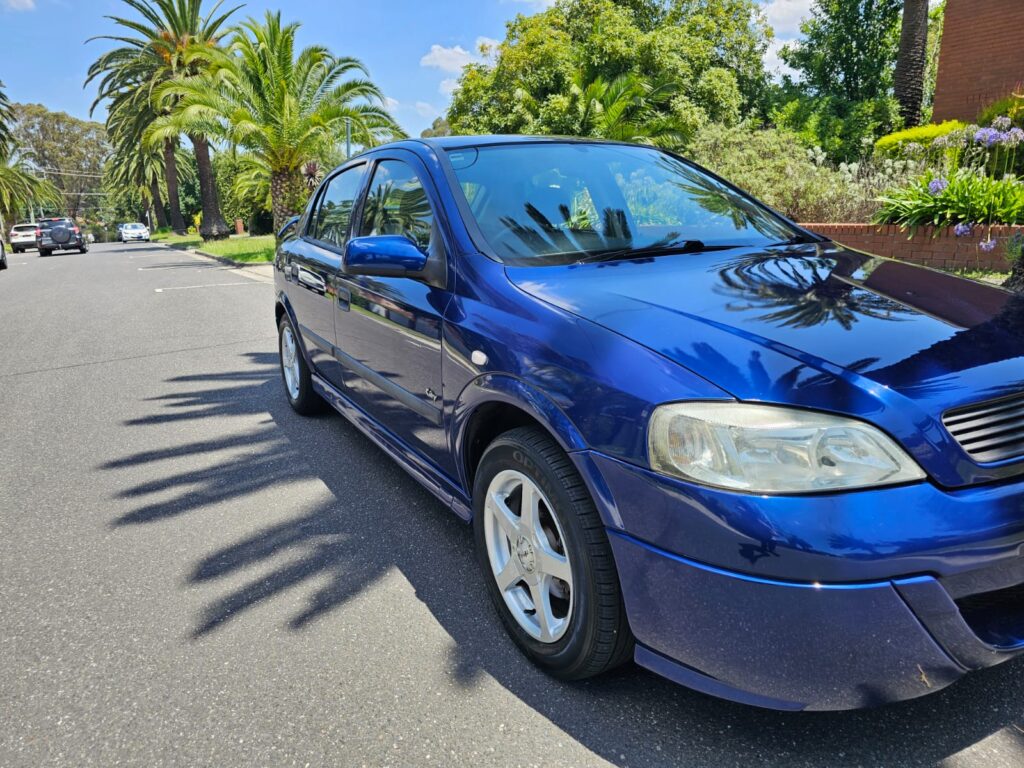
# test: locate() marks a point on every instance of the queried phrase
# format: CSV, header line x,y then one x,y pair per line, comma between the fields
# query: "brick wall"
x,y
934,248
981,58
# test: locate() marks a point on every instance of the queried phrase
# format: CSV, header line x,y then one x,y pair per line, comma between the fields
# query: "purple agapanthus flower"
x,y
1002,123
988,137
937,186
1013,137
963,229
987,245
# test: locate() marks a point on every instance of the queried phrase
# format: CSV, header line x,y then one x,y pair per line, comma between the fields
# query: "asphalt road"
x,y
191,574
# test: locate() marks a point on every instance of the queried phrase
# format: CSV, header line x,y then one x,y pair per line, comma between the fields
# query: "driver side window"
x,y
334,216
397,204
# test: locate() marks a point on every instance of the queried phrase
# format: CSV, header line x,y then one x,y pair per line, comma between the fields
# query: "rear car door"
x,y
389,330
312,263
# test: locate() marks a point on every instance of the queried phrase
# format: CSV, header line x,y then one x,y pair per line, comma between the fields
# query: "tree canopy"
x,y
670,66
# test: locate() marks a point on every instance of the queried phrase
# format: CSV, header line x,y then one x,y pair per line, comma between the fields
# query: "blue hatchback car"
x,y
686,431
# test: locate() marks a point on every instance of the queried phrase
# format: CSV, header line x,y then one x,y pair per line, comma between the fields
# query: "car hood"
x,y
818,326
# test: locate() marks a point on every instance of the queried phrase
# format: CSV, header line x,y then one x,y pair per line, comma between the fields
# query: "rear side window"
x,y
397,204
334,215
25,228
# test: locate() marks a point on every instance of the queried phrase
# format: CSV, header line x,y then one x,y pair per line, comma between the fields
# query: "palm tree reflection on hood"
x,y
800,291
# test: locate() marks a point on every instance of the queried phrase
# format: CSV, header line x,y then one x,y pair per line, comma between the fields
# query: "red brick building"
x,y
981,58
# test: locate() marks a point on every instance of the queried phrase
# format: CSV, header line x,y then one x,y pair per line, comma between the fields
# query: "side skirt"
x,y
423,471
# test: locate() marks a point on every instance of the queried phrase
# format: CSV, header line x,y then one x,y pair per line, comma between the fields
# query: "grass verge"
x,y
247,250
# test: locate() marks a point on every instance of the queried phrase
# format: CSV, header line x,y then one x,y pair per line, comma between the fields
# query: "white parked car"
x,y
136,232
23,237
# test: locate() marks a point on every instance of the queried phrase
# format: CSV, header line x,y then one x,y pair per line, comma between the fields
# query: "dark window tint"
x,y
397,204
335,213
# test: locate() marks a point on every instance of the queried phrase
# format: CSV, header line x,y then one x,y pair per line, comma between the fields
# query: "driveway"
x,y
191,574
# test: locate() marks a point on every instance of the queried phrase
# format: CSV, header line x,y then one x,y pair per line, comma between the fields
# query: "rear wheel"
x,y
298,384
546,558
45,251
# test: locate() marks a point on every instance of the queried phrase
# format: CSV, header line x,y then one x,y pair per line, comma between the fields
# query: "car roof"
x,y
445,143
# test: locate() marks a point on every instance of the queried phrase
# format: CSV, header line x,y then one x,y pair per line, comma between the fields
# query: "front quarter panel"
x,y
590,387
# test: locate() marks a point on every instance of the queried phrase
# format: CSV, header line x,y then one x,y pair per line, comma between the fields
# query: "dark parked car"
x,y
686,431
60,235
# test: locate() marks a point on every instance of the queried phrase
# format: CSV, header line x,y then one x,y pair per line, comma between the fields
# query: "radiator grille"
x,y
990,431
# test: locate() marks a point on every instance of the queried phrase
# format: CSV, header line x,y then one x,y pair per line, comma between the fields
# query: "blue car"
x,y
686,431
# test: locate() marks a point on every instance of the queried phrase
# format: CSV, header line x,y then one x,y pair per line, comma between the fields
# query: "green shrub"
x,y
776,167
1011,106
894,144
841,128
968,197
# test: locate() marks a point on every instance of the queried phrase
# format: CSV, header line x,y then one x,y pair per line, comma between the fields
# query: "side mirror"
x,y
384,256
288,227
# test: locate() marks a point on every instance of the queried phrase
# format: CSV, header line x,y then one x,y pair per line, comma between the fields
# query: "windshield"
x,y
134,226
558,203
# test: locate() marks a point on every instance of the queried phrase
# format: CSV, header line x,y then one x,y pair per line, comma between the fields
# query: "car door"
x,y
313,263
389,333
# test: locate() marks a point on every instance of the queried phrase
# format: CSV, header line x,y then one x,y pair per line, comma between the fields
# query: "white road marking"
x,y
211,285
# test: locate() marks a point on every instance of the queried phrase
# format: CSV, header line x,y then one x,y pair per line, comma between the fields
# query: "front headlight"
x,y
770,449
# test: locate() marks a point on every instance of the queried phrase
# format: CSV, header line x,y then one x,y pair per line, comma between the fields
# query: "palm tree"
x,y
155,51
628,108
912,60
283,109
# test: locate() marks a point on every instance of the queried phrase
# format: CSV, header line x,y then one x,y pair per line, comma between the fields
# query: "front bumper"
x,y
813,602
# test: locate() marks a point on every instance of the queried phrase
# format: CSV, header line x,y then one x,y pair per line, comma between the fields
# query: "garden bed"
x,y
939,248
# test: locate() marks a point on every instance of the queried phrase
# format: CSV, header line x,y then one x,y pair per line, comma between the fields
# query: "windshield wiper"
x,y
658,249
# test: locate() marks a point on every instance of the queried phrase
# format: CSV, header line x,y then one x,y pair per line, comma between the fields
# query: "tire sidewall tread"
x,y
598,637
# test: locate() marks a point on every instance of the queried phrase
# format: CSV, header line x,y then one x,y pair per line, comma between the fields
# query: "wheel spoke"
x,y
509,575
553,564
541,595
529,512
506,518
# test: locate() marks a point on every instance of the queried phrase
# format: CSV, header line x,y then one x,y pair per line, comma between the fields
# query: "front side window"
x,y
550,203
397,204
334,216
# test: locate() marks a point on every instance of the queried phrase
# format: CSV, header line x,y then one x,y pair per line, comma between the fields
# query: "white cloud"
x,y
20,5
391,105
447,59
785,16
448,86
423,109
773,63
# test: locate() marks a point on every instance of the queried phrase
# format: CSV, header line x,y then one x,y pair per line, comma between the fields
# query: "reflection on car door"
x,y
389,337
312,267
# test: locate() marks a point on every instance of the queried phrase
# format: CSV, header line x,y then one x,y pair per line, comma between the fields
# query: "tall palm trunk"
x,y
158,204
213,227
912,60
286,195
171,174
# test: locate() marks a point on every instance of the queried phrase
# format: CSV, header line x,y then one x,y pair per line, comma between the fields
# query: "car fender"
x,y
282,300
491,388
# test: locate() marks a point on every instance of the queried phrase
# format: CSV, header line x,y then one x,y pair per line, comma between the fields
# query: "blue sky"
x,y
412,48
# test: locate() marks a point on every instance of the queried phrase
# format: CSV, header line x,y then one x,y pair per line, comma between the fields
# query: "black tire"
x,y
598,637
307,402
45,251
84,249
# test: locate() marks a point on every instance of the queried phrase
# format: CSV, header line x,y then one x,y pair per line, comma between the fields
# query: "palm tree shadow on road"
x,y
339,548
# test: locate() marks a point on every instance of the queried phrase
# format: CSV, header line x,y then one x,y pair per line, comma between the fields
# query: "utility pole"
x,y
348,137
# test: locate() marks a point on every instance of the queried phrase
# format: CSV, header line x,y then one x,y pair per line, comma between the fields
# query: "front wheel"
x,y
546,558
298,384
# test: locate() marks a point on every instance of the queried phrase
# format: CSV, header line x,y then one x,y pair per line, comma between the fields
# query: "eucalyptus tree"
x,y
154,50
282,106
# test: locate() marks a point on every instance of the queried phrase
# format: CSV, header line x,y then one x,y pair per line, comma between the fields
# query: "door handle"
x,y
312,280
